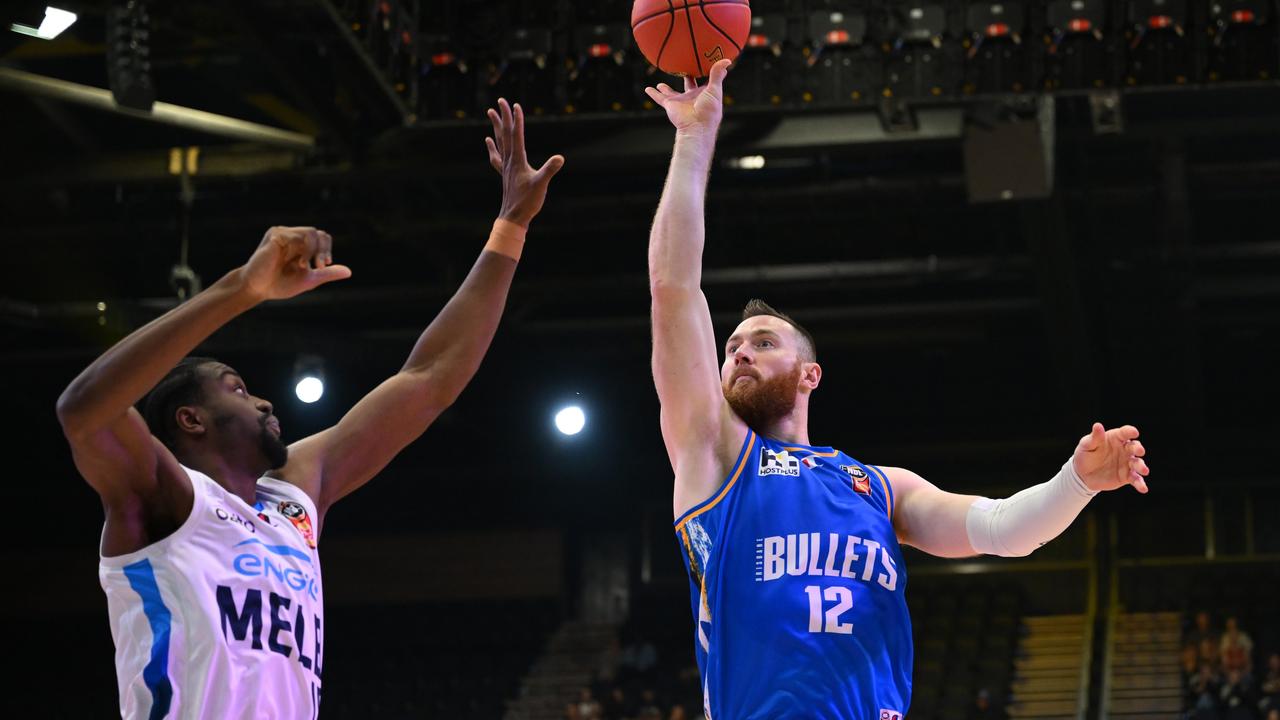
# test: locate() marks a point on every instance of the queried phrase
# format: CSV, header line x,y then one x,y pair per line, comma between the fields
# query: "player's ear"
x,y
190,420
810,375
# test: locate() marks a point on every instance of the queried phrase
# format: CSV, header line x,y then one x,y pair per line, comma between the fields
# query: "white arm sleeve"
x,y
1017,525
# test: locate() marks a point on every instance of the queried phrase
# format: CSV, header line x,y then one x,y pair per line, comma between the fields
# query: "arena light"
x,y
309,372
747,162
55,21
570,420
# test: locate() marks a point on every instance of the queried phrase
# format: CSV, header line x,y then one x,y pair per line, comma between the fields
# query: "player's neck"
x,y
237,479
790,428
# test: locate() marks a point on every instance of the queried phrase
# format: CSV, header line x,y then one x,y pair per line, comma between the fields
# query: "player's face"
x,y
760,349
242,420
762,370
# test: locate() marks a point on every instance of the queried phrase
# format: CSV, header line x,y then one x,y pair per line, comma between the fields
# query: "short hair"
x,y
808,348
183,385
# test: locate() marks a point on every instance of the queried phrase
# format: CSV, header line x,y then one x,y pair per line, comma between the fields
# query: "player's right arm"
x,y
701,433
136,476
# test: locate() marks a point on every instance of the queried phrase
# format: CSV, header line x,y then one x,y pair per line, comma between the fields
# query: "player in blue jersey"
x,y
794,550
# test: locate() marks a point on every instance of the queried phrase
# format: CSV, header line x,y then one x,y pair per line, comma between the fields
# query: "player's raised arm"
x,y
950,525
334,462
697,426
111,444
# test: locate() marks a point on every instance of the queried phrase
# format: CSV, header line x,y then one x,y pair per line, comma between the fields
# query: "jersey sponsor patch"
x,y
778,463
296,514
861,483
890,715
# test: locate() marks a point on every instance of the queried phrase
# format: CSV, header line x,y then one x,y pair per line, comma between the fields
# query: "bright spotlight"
x,y
309,389
746,162
55,21
571,420
308,371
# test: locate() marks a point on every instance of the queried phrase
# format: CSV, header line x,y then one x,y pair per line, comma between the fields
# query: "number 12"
x,y
843,599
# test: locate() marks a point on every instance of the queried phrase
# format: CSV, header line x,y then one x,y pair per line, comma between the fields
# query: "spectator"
x,y
677,713
1201,629
1236,649
1189,659
1273,714
1271,686
1203,692
982,708
1209,654
648,706
588,707
1236,697
615,706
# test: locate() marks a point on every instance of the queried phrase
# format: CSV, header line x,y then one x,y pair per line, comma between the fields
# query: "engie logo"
x,y
262,564
778,463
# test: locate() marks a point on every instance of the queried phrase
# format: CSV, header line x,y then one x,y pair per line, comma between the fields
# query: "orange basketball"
x,y
687,37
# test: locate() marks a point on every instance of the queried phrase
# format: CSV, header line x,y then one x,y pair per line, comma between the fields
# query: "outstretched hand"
x,y
697,110
523,188
290,261
1110,459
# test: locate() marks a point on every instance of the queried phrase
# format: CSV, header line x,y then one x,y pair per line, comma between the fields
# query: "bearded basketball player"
x,y
209,551
793,549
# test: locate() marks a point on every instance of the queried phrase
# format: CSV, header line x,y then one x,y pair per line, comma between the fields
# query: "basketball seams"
x,y
693,38
671,26
718,29
650,16
701,33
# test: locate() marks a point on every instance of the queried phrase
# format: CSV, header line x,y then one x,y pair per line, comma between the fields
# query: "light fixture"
x,y
55,21
746,162
309,375
570,420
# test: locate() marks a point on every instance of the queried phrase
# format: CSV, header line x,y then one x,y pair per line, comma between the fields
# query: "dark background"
x,y
973,343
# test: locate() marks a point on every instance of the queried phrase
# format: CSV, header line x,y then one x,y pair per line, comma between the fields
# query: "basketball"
x,y
687,37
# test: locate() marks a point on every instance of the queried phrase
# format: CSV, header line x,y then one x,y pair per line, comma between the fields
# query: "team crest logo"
x,y
861,483
296,514
778,463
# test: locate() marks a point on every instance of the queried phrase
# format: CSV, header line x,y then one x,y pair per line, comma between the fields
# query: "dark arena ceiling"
x,y
968,340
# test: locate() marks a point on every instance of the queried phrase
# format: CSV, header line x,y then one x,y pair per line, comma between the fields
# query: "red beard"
x,y
763,402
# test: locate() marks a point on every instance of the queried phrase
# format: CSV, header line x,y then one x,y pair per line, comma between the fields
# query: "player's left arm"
x,y
331,464
951,525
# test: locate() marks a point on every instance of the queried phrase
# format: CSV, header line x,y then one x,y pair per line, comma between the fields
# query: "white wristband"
x,y
1017,525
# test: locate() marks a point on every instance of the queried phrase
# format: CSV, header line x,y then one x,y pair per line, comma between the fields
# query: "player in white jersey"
x,y
208,554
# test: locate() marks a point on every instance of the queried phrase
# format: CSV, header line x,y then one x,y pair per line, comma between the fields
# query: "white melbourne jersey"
x,y
223,618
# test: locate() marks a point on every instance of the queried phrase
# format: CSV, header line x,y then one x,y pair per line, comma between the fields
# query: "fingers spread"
x,y
517,136
718,73
550,168
495,157
497,128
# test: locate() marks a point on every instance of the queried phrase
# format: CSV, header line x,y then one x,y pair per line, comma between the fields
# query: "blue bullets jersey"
x,y
798,588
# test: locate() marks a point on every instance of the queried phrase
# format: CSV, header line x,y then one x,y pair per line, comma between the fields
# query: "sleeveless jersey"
x,y
797,586
223,618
